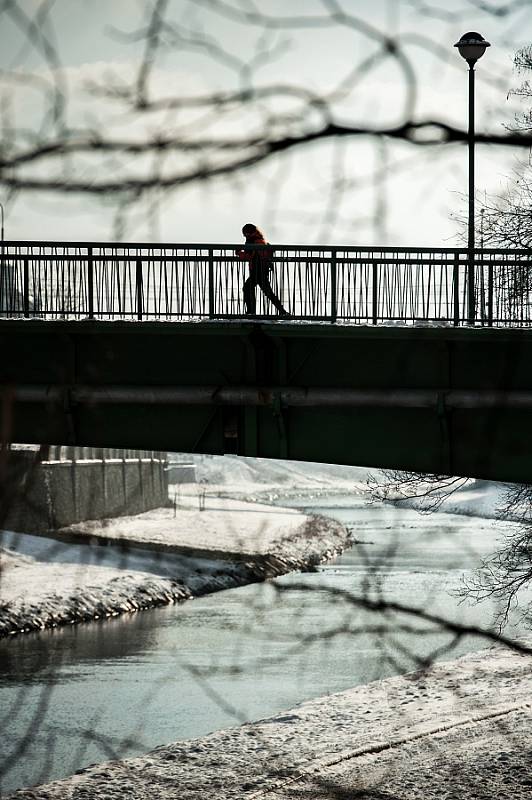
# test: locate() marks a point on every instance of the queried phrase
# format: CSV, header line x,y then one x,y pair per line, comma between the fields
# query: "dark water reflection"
x,y
108,689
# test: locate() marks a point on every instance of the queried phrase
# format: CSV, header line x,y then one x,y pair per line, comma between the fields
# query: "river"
x,y
74,696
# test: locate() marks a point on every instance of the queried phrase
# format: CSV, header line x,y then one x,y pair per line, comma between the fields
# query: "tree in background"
x,y
504,222
509,570
503,575
508,218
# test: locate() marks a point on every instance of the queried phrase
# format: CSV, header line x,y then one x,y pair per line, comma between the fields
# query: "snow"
x,y
167,555
225,527
429,734
271,478
475,499
153,559
267,480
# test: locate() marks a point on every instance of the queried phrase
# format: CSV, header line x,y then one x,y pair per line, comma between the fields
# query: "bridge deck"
x,y
443,399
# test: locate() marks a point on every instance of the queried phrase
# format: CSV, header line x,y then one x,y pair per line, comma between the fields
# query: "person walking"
x,y
260,265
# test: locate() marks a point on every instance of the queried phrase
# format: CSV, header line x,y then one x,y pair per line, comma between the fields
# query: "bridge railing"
x,y
187,281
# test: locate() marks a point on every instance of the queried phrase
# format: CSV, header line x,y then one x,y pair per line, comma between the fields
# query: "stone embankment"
x,y
154,559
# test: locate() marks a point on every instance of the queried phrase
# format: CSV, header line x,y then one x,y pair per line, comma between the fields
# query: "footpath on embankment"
x,y
103,568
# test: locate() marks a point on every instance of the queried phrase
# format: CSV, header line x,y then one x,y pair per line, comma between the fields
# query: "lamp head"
x,y
472,46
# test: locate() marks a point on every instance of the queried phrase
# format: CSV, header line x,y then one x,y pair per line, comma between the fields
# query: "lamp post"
x,y
2,231
471,47
2,270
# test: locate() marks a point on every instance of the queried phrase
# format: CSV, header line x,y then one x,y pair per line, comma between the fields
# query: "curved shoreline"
x,y
319,539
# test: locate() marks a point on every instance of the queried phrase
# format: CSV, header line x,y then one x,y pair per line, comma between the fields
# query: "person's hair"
x,y
249,229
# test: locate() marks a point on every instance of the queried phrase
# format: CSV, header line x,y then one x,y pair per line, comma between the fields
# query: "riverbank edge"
x,y
382,718
454,504
317,540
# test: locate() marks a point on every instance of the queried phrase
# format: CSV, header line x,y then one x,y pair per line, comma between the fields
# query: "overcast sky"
x,y
323,193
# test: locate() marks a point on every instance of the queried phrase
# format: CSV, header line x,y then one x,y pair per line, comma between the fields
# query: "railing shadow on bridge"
x,y
172,282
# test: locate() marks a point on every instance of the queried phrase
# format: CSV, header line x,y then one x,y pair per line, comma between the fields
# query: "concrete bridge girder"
x,y
443,400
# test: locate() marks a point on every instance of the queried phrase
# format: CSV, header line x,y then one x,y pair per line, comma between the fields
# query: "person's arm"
x,y
244,253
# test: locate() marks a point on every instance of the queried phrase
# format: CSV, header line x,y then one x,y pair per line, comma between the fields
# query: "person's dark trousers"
x,y
259,276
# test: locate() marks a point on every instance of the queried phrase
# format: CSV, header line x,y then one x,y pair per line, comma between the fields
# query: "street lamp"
x,y
471,47
2,270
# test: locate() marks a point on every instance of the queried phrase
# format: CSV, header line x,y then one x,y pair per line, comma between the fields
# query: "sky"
x,y
325,192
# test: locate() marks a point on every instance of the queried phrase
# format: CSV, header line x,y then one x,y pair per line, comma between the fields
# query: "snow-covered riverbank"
x,y
103,568
154,559
168,555
461,729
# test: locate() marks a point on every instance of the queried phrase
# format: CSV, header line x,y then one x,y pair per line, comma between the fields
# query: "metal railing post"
x,y
90,282
139,287
490,293
334,301
26,288
374,292
471,306
456,289
211,282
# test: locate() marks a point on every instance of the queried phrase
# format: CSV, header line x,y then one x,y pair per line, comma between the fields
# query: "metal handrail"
x,y
238,245
345,283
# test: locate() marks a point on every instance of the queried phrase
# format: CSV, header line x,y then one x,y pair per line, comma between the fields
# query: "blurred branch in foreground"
x,y
127,135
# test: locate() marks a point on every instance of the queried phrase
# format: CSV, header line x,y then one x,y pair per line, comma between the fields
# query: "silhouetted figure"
x,y
260,265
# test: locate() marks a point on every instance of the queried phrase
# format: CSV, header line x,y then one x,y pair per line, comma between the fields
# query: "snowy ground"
x,y
155,558
167,555
226,528
462,729
266,480
475,499
269,479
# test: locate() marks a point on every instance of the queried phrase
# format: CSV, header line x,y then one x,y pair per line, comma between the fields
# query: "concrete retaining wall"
x,y
51,495
179,472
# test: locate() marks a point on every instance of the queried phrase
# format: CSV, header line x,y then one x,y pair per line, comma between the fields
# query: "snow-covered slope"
x,y
255,475
263,478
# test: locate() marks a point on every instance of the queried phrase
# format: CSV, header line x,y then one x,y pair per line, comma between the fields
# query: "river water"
x,y
75,696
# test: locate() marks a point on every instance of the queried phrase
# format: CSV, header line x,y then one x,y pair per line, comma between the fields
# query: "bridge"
x,y
386,360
